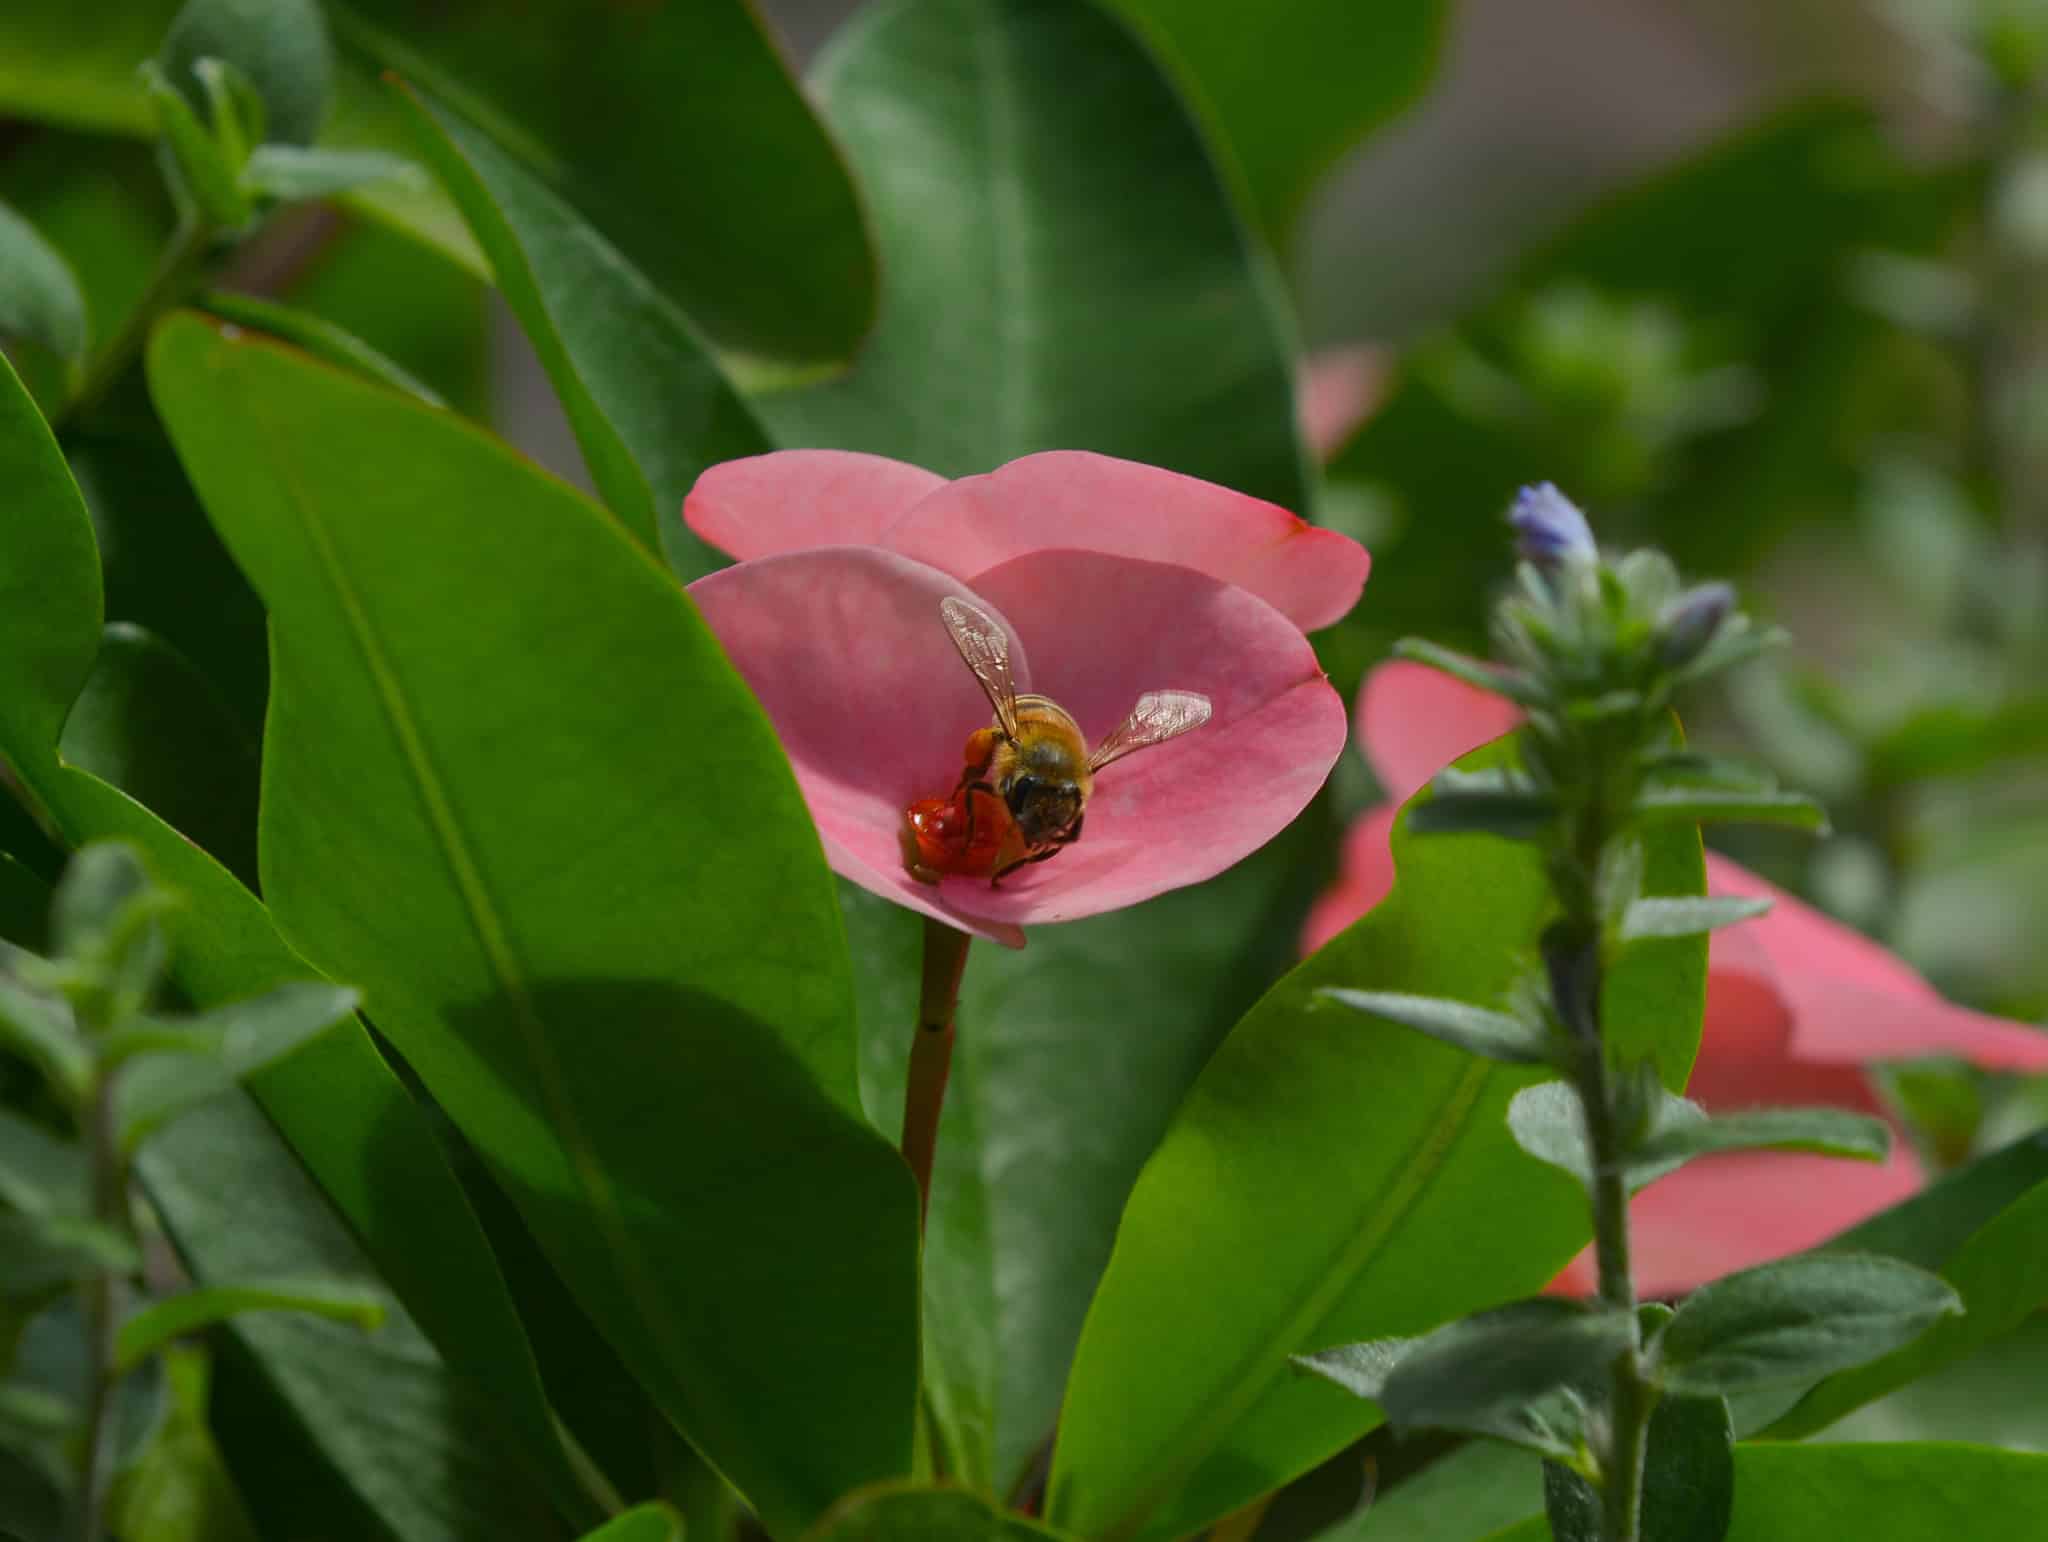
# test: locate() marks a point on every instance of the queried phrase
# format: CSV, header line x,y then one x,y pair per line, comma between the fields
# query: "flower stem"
x,y
1572,953
178,274
104,1303
931,1052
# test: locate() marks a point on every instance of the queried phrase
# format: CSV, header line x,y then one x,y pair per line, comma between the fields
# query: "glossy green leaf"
x,y
39,298
628,115
1797,1319
281,46
1686,917
642,1523
148,722
901,1513
593,999
150,1329
39,1173
1420,1207
1688,1479
649,406
1291,95
1985,1227
319,337
1476,1030
1061,265
336,1099
1069,1065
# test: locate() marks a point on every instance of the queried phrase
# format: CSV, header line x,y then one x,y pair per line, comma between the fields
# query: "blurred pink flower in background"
x,y
1338,390
1110,578
1797,1005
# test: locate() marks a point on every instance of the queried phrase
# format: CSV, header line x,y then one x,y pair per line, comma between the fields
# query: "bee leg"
x,y
1046,855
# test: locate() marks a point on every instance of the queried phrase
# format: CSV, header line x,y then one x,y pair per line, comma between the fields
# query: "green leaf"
x,y
41,1252
71,66
1957,739
39,298
1688,805
280,45
649,406
1420,1207
1084,208
158,1324
178,1489
149,723
202,1057
1688,1479
1508,1373
27,1413
628,114
105,889
1290,102
1685,917
39,1174
290,174
1985,1227
1469,1492
1496,678
202,175
902,1513
1476,1030
336,1099
42,1031
1829,1131
1798,1319
319,337
1492,802
594,1002
642,1523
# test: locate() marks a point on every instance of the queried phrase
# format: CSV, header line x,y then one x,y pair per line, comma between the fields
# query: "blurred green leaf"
x,y
1686,917
76,65
649,406
1700,805
335,1100
1985,1227
39,298
1688,1479
1288,97
281,46
1476,1030
162,1321
1471,1492
179,1490
616,1067
290,174
642,1523
42,1252
1957,739
1796,1320
203,177
901,1513
627,113
39,1174
40,1029
1421,1206
1096,290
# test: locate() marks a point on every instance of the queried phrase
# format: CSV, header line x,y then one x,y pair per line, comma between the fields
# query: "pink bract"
x,y
1796,1005
844,645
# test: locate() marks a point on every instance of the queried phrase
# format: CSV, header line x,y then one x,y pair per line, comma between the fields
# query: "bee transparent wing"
x,y
1158,716
986,649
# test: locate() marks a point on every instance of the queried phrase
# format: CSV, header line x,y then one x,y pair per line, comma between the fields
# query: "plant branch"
x,y
178,274
931,1052
105,1301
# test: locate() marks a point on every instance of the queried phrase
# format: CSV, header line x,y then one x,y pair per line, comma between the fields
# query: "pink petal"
x,y
1339,387
1413,721
1103,629
1365,877
1730,1212
794,499
844,647
1854,1002
1070,498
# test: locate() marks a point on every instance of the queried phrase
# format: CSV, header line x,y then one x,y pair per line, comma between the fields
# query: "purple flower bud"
x,y
1551,528
1689,623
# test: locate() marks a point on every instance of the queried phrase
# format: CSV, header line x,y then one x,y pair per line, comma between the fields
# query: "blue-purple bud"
x,y
1690,621
1551,529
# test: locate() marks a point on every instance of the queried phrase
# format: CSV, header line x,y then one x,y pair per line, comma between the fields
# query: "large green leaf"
x,y
649,406
1289,91
629,112
1072,1056
1874,1493
1332,1178
335,1099
514,790
1062,268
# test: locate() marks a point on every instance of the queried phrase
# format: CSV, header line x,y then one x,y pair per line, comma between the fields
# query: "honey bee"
x,y
1023,790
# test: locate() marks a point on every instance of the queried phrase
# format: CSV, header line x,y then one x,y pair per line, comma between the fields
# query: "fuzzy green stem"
x,y
104,1303
178,274
931,1052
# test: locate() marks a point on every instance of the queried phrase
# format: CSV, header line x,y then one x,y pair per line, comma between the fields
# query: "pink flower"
x,y
1797,1005
1110,579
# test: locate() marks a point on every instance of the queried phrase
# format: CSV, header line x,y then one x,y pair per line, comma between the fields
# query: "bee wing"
x,y
986,649
1158,716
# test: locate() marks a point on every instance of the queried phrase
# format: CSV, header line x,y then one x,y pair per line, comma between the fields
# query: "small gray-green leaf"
x,y
39,297
1361,1369
1511,683
280,46
42,1030
157,1324
1829,1131
1700,805
98,886
30,1413
1480,1372
203,174
1476,1030
39,1252
39,1174
1797,1319
1687,917
1546,1122
289,174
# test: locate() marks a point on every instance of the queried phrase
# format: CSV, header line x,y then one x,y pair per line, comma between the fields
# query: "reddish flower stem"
x,y
931,1052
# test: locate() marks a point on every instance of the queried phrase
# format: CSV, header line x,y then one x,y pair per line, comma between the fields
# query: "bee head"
x,y
1044,807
